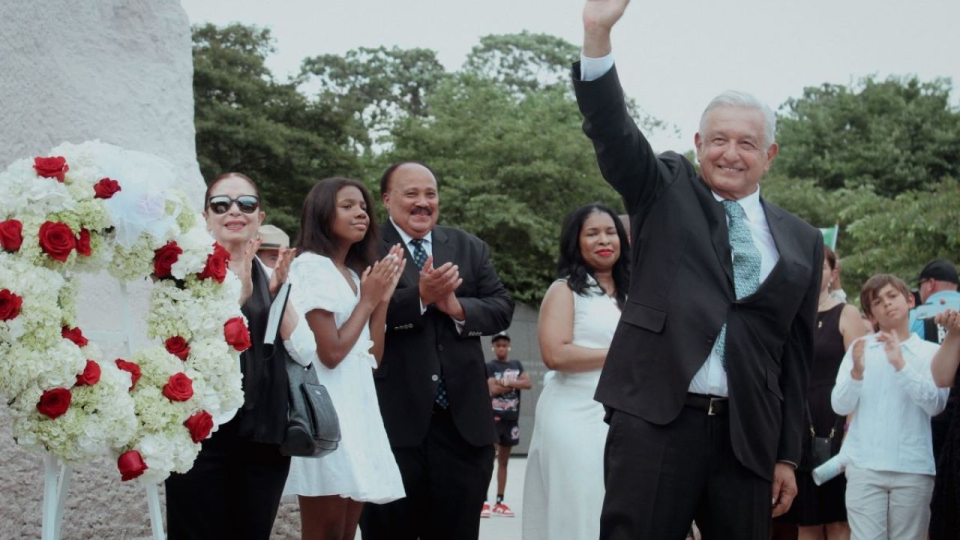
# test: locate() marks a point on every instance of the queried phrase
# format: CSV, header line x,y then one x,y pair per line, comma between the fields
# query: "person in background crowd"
x,y
705,381
563,489
432,382
820,511
937,283
272,239
505,378
234,487
343,292
945,507
885,382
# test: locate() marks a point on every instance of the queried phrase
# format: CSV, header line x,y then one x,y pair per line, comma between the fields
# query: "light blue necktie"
x,y
420,257
746,264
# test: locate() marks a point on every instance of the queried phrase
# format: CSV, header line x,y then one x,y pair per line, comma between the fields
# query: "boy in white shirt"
x,y
887,383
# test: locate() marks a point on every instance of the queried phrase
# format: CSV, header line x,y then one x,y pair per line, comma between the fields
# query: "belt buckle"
x,y
710,411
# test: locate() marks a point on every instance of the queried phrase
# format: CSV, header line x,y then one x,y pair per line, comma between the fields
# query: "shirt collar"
x,y
427,239
751,205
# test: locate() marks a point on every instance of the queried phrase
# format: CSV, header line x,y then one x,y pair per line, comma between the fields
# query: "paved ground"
x,y
99,506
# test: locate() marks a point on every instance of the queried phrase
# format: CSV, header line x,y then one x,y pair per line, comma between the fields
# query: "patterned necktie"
x,y
746,264
419,254
420,257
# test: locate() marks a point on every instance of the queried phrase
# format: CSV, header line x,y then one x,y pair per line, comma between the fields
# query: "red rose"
x,y
199,426
90,375
51,167
57,240
83,243
178,347
106,188
236,333
134,370
54,402
164,258
9,305
74,335
131,465
11,234
179,387
216,267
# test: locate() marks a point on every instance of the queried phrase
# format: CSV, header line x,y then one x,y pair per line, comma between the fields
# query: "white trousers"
x,y
884,505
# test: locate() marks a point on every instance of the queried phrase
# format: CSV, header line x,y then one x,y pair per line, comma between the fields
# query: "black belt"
x,y
712,404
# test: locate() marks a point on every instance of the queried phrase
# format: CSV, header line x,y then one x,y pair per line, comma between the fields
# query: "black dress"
x,y
819,505
234,488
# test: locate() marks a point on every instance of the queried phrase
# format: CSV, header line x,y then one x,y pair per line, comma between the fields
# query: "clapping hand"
x,y
379,278
858,365
397,253
437,284
281,269
891,345
244,268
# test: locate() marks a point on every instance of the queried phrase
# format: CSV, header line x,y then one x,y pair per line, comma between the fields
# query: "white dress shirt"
x,y
890,430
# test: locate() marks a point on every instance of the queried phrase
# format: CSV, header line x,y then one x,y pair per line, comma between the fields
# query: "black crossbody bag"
x,y
819,450
313,428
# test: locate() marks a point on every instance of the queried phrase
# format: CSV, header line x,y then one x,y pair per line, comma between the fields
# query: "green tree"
x,y
524,62
375,86
247,121
892,135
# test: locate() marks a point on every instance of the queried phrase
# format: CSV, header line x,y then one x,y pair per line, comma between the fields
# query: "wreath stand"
x,y
56,486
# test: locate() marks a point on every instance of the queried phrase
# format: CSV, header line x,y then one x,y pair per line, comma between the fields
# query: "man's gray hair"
x,y
734,98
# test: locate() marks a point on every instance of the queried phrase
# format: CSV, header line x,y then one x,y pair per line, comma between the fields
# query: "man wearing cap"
x,y
938,285
505,378
271,240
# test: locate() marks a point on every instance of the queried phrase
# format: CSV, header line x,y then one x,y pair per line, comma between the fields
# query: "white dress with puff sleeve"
x,y
363,467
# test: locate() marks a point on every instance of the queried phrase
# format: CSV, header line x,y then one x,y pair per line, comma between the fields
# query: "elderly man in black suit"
x,y
705,380
432,383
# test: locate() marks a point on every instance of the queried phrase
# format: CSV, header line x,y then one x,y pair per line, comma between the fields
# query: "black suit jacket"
x,y
682,292
419,348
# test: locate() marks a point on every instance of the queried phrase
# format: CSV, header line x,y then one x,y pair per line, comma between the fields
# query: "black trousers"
x,y
232,491
446,481
661,478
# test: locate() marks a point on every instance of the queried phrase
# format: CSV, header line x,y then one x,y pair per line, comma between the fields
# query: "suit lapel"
x,y
719,233
782,239
443,250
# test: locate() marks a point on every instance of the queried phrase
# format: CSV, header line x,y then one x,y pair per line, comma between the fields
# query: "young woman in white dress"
x,y
563,489
343,292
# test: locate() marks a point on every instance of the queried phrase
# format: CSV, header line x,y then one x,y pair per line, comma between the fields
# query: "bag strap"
x,y
277,309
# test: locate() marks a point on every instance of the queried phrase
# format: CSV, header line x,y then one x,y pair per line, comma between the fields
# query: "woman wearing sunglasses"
x,y
234,487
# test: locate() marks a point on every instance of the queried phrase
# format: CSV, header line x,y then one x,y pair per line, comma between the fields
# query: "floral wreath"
x,y
95,207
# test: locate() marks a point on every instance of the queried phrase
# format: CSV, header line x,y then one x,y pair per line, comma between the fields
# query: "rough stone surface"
x,y
116,70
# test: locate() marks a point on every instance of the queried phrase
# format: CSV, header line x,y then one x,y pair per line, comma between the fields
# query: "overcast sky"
x,y
673,56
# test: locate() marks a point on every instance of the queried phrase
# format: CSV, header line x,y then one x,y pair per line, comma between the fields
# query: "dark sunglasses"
x,y
221,204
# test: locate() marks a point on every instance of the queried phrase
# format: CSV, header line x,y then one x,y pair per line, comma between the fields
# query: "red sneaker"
x,y
485,512
502,510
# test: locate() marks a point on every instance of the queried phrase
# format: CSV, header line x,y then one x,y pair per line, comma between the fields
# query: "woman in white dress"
x,y
344,293
563,490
